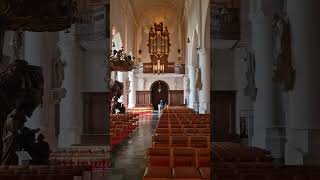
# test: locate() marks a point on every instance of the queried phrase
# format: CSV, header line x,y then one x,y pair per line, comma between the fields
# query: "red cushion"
x,y
184,161
163,161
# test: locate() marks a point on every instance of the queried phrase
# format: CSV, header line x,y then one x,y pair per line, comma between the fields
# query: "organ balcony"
x,y
175,68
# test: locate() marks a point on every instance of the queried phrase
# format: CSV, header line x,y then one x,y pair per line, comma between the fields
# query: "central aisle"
x,y
128,161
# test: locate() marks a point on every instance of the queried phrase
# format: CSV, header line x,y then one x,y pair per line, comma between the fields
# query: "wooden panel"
x,y
143,98
176,97
148,68
223,106
95,113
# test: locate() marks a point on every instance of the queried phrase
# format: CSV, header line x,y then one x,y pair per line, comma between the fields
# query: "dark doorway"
x,y
223,110
159,90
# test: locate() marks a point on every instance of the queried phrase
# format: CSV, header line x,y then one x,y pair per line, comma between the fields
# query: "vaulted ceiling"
x,y
158,9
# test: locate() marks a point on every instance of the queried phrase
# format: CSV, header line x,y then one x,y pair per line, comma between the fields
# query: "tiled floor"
x,y
128,161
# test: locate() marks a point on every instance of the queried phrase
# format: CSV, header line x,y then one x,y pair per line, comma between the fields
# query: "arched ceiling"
x,y
157,9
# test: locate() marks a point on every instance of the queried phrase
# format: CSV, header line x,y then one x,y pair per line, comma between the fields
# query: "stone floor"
x,y
128,160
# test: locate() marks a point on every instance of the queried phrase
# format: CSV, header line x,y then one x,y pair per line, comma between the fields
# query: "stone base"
x,y
204,108
196,107
275,142
303,147
68,137
95,139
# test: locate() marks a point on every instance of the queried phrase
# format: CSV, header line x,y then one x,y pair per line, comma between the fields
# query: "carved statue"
x,y
14,125
198,78
187,85
18,44
143,84
250,89
58,70
18,83
128,82
57,93
283,71
116,93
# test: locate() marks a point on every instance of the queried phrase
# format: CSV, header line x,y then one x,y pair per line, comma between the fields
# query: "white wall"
x,y
223,65
175,82
94,72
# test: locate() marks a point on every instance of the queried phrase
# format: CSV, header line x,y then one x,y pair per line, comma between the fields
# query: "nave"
x,y
181,146
128,159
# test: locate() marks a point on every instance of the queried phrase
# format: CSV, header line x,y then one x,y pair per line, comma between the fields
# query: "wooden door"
x,y
223,106
143,98
176,98
95,111
157,95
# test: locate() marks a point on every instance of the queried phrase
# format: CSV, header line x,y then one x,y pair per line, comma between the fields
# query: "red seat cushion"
x,y
158,172
186,172
163,161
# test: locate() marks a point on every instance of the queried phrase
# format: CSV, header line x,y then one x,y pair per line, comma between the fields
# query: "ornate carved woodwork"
x,y
225,20
168,68
20,83
37,15
117,89
120,61
159,46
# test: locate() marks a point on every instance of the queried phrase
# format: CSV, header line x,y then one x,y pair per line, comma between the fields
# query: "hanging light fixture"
x,y
159,87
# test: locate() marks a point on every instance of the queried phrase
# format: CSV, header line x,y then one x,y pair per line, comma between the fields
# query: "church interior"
x,y
159,90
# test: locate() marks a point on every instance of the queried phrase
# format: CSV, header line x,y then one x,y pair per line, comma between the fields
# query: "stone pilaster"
x,y
303,131
204,94
132,90
71,105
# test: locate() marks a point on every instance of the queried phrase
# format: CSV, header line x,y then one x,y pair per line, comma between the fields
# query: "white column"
x,y
123,77
186,85
262,45
266,117
33,54
204,94
132,90
192,94
39,51
71,108
304,119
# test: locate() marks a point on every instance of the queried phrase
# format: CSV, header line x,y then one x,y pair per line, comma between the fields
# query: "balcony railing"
x,y
147,68
225,23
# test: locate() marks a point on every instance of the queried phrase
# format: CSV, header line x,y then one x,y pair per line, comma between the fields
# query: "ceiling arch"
x,y
157,7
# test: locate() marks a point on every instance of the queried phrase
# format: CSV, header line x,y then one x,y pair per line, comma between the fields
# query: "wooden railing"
x,y
169,68
225,23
